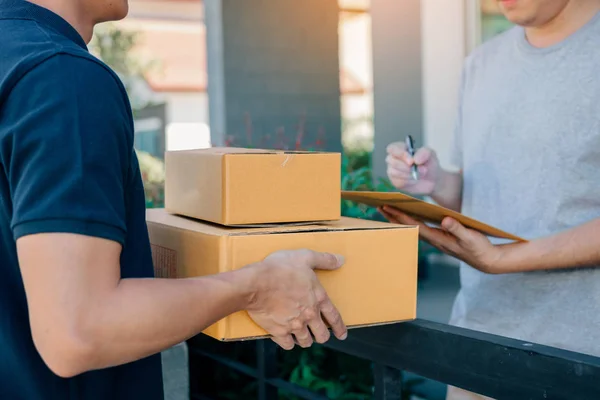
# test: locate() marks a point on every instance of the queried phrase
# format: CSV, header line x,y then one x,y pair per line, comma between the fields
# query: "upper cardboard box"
x,y
376,285
423,210
233,186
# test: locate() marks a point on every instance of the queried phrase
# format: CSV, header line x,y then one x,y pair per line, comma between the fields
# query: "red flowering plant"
x,y
279,140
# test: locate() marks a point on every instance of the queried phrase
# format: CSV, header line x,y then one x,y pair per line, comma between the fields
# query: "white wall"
x,y
356,57
445,40
187,121
355,43
187,107
358,107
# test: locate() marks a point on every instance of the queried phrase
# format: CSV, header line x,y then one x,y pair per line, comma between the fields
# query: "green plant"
x,y
114,46
357,175
153,177
335,375
354,159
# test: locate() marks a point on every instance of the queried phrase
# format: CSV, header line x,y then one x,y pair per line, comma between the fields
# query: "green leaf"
x,y
295,376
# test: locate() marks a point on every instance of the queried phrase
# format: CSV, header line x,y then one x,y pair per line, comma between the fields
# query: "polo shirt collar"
x,y
22,9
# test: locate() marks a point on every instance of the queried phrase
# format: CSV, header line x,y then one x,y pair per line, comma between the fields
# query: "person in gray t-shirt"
x,y
528,146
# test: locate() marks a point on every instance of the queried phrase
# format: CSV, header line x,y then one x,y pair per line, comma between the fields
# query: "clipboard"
x,y
424,211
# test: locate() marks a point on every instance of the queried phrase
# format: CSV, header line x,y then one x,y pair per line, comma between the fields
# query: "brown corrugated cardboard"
x,y
377,284
423,210
232,186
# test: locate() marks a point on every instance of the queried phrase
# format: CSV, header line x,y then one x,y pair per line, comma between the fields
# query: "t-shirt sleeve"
x,y
457,142
67,150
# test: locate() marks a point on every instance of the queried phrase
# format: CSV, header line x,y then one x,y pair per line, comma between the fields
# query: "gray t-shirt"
x,y
528,141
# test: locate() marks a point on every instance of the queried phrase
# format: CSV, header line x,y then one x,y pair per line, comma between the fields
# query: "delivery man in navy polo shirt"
x,y
80,315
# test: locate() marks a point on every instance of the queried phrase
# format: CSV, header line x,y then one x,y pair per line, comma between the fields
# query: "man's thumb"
x,y
454,227
326,261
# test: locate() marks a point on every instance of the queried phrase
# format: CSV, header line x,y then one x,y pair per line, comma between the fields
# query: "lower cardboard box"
x,y
377,284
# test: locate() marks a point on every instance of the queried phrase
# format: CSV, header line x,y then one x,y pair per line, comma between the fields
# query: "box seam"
x,y
224,190
225,265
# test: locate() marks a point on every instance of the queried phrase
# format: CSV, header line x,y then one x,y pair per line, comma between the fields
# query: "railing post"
x,y
266,353
388,383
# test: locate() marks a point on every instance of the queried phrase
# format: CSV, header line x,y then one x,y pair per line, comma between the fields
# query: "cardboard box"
x,y
424,211
377,284
231,186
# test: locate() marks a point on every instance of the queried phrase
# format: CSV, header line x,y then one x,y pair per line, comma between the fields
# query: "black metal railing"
x,y
494,366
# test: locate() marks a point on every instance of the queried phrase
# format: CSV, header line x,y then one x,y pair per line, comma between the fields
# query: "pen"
x,y
411,150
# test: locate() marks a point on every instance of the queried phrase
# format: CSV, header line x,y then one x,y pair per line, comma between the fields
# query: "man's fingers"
x,y
400,164
398,174
396,149
401,217
400,156
334,319
445,239
303,337
397,214
434,236
327,261
422,155
388,216
285,342
319,330
394,164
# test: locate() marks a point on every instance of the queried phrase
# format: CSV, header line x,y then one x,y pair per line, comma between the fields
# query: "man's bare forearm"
x,y
448,191
141,317
575,248
83,316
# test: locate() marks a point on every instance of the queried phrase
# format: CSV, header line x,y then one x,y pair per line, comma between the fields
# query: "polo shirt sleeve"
x,y
70,148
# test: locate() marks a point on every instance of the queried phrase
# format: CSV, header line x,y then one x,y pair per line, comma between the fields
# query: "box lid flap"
x,y
162,217
239,150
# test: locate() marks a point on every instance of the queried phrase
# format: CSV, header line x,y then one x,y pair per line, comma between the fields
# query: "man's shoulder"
x,y
32,48
75,85
65,65
69,78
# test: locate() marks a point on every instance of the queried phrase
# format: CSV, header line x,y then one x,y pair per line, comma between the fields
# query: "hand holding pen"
x,y
411,151
412,170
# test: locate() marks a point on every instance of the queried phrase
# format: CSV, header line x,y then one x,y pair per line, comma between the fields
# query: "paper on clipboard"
x,y
423,210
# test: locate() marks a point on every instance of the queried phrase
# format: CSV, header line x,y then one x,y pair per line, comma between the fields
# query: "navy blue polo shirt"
x,y
67,164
